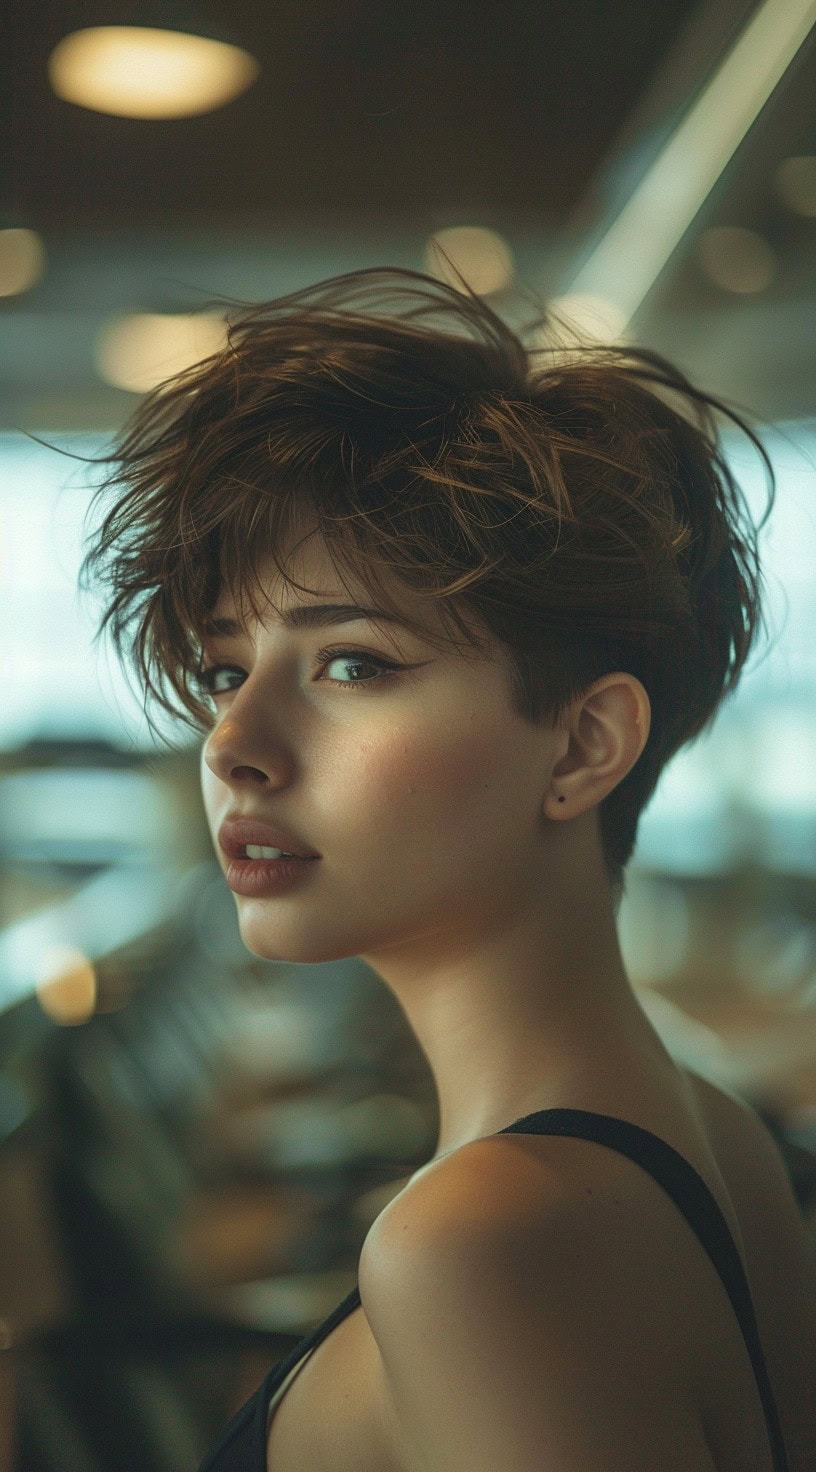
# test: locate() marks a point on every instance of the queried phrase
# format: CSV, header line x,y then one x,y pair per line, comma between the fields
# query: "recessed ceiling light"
x,y
22,260
140,351
736,259
483,257
147,72
795,184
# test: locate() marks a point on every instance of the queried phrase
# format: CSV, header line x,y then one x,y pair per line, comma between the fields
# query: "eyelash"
x,y
205,677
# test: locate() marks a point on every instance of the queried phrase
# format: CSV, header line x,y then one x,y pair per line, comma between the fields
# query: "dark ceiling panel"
x,y
372,126
498,111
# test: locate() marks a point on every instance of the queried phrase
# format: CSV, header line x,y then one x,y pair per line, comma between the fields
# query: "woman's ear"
x,y
608,727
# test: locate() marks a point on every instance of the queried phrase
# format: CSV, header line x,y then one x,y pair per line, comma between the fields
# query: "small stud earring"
x,y
562,799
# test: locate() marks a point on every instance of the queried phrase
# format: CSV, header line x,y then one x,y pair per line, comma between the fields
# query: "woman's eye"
x,y
207,681
353,659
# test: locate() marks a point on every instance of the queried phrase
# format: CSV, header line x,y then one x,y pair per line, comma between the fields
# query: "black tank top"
x,y
242,1448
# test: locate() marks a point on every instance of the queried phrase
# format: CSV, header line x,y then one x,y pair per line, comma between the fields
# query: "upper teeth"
x,y
255,851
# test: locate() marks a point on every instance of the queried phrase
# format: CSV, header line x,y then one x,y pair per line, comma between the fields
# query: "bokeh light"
x,y
736,259
142,72
66,985
22,260
795,184
141,350
483,257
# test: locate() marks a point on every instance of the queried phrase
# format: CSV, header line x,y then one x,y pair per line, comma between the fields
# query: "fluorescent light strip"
x,y
625,265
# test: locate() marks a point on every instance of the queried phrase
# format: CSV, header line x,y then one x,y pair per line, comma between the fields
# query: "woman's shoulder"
x,y
495,1259
519,1188
545,1196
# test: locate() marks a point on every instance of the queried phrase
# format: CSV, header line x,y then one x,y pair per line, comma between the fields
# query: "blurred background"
x,y
194,1142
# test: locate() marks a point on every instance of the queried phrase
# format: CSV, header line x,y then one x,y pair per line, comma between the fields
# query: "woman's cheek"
x,y
434,770
396,769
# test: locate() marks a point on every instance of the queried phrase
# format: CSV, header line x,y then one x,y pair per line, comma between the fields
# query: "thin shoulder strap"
x,y
279,1371
693,1198
242,1446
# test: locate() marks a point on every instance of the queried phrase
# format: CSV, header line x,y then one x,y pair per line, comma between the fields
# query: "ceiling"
x,y
373,125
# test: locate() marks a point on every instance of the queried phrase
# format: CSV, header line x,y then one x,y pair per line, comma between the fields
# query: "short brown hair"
x,y
588,522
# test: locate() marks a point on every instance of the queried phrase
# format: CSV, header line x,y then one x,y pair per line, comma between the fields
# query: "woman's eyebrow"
x,y
308,616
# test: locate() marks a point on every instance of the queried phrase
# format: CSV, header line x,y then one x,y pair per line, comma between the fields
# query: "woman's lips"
x,y
237,831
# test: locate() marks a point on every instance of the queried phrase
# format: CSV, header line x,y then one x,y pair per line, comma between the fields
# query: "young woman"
x,y
532,571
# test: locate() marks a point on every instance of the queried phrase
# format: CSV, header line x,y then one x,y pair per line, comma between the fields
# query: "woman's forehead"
x,y
320,572
307,574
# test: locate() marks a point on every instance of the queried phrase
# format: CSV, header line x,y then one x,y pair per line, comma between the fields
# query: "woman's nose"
x,y
238,750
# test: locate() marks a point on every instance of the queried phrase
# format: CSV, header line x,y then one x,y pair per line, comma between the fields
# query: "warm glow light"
x,y
141,72
795,183
592,316
483,257
736,259
66,985
140,351
22,261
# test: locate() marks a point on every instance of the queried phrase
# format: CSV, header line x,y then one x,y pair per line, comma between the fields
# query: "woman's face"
x,y
419,787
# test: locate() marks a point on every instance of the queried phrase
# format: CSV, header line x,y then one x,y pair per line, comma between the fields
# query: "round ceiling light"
x,y
736,259
795,183
144,349
482,256
145,72
22,260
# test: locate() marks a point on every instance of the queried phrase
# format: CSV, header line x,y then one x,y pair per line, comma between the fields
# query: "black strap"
x,y
692,1196
242,1447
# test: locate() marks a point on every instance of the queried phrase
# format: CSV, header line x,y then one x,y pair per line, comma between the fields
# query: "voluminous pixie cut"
x,y
574,500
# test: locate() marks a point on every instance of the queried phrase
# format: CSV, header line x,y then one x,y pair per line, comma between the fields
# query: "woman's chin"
x,y
268,943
